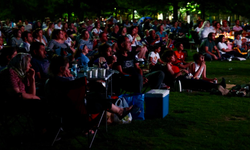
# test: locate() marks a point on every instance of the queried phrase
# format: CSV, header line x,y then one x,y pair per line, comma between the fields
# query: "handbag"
x,y
121,102
137,100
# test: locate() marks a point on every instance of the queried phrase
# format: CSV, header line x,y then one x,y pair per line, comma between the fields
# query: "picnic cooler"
x,y
156,103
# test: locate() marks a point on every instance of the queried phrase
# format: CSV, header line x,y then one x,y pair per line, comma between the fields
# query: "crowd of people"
x,y
36,52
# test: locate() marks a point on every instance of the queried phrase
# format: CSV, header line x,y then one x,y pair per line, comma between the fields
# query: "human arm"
x,y
210,53
204,77
139,69
119,68
223,47
155,40
218,52
170,70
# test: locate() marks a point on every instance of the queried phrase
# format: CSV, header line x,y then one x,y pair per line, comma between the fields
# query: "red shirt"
x,y
179,57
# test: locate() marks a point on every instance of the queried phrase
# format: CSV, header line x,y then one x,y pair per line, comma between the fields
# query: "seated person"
x,y
205,30
39,62
86,41
106,59
217,28
27,40
97,30
180,57
237,28
161,32
198,70
153,38
198,28
238,43
225,27
208,47
39,36
173,73
7,53
71,31
16,40
115,32
80,56
61,80
57,43
141,49
19,77
224,50
175,29
131,74
154,58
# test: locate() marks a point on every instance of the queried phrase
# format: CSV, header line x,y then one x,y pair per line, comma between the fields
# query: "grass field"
x,y
196,120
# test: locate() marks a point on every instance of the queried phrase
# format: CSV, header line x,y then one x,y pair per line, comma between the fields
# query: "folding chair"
x,y
74,103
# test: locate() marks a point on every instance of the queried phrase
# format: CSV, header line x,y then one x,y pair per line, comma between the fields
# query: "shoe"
x,y
222,90
125,112
223,83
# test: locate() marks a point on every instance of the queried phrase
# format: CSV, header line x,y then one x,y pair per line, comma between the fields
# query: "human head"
x,y
157,48
116,28
105,50
17,33
198,58
169,56
27,37
21,63
7,53
38,33
71,25
237,36
59,22
211,36
200,23
21,27
146,33
214,22
179,46
97,25
85,34
37,50
103,37
224,23
58,65
206,24
123,43
152,33
57,34
160,27
217,25
65,26
237,22
132,30
222,38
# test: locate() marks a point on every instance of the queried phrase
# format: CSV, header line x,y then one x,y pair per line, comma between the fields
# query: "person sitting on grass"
x,y
7,53
198,70
173,73
209,49
154,58
180,57
238,43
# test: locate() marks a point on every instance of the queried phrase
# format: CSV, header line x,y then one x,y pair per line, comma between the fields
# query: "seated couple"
x,y
197,69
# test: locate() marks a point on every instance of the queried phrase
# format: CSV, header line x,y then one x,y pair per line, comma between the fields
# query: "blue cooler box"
x,y
156,103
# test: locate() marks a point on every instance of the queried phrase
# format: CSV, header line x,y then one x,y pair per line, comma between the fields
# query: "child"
x,y
80,56
154,57
238,43
180,57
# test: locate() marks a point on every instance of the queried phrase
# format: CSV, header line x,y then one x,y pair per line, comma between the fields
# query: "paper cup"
x,y
95,73
90,74
102,72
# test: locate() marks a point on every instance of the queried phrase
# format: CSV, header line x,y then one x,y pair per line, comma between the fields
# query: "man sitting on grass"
x,y
209,49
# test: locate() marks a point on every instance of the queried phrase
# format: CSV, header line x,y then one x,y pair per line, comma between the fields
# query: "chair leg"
x,y
60,129
93,138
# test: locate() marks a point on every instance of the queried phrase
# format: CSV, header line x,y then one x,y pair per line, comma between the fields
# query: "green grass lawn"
x,y
195,121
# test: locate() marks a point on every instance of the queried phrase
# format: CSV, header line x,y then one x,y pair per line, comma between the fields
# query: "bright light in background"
x,y
220,21
135,11
188,19
160,16
228,18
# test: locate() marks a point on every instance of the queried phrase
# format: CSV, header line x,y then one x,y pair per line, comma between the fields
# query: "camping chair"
x,y
74,104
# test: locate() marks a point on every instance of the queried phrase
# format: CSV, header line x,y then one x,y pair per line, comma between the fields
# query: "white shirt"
x,y
131,39
204,32
28,27
221,46
96,31
57,27
197,29
68,41
197,68
154,56
238,42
